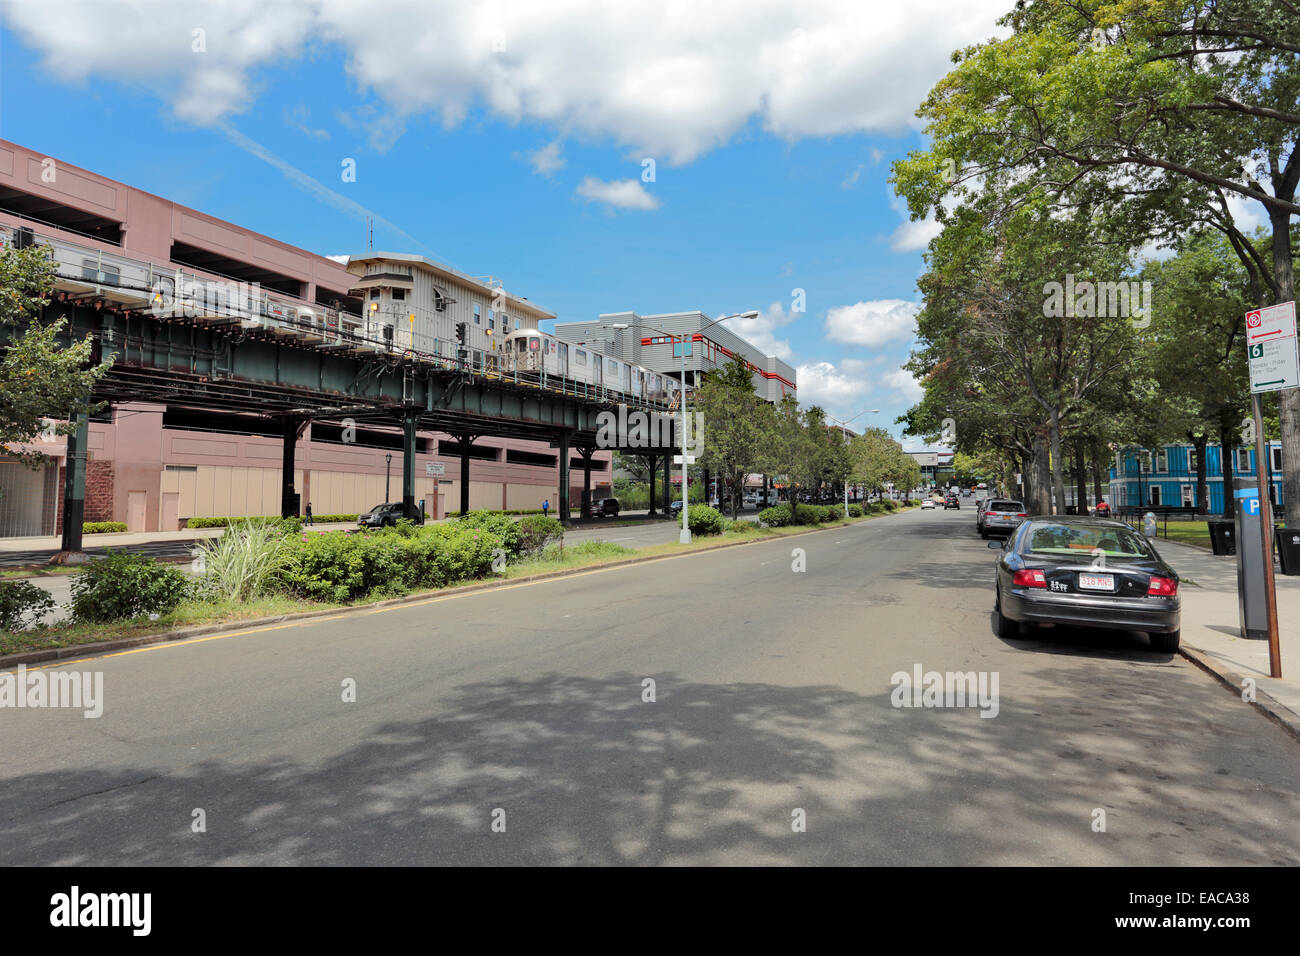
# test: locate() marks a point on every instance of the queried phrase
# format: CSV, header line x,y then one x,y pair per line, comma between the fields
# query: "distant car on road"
x,y
1088,572
605,507
951,501
1001,516
382,516
927,504
675,506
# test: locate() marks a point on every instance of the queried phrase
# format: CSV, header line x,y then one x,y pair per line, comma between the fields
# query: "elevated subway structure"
x,y
188,338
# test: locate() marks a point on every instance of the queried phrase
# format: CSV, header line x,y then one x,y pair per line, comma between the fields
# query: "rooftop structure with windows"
x,y
654,341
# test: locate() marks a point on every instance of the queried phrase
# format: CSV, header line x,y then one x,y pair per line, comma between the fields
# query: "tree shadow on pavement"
x,y
709,773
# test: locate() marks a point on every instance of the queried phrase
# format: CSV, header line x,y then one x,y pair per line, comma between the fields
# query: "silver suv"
x,y
1000,516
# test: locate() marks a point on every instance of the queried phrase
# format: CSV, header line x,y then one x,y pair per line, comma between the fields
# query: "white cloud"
x,y
762,331
673,79
297,119
821,383
851,179
619,193
872,323
547,160
905,387
914,235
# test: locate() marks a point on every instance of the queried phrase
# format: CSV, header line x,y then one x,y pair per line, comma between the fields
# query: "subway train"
x,y
532,351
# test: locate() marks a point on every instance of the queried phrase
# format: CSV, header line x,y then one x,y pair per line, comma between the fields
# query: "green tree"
x,y
734,429
39,376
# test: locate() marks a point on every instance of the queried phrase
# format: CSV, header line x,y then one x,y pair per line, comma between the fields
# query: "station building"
x,y
154,465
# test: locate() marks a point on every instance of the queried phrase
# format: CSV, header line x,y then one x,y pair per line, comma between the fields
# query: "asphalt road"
x,y
772,696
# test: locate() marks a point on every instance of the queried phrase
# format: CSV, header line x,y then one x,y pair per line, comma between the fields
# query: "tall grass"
x,y
238,565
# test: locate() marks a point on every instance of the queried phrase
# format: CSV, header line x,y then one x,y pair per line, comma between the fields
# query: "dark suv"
x,y
951,501
382,516
605,507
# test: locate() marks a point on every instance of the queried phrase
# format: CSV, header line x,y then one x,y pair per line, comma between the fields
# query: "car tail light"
x,y
1030,578
1022,515
1162,587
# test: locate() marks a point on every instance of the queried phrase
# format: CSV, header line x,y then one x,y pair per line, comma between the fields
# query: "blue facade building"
x,y
1168,475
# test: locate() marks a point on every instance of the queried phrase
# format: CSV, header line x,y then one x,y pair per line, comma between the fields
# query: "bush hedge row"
x,y
102,527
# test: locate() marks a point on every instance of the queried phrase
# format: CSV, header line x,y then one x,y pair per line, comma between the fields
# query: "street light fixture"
x,y
869,411
388,467
685,536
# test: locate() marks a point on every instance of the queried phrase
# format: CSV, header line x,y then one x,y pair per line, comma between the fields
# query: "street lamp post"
x,y
869,411
683,338
388,468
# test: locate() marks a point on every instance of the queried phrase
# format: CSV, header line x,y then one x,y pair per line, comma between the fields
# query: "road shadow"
x,y
588,773
1102,643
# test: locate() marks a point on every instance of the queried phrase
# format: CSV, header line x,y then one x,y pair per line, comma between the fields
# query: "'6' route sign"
x,y
1271,347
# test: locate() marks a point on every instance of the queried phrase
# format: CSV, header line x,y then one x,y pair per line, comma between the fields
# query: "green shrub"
x,y
289,525
102,527
855,511
538,532
22,604
342,567
740,526
497,523
124,585
705,520
777,516
241,564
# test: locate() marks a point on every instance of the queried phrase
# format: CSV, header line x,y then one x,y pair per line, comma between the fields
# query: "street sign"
x,y
1272,348
434,469
677,459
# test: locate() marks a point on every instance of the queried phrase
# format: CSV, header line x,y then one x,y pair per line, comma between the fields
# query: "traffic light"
x,y
460,332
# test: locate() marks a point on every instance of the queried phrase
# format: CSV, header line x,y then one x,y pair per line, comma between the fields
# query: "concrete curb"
x,y
165,637
1264,702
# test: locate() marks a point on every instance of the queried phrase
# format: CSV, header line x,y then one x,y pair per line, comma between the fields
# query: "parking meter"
x,y
1149,524
1251,597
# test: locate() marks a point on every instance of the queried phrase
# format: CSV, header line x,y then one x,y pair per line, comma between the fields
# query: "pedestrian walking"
x,y
546,507
307,515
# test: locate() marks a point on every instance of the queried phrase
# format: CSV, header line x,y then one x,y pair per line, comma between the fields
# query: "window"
x,y
580,356
505,321
517,323
399,295
1155,495
477,315
492,323
374,293
1275,458
1243,459
1192,462
677,348
440,302
1162,460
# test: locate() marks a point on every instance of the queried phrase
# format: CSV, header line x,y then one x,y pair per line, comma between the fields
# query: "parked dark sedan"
x,y
1086,572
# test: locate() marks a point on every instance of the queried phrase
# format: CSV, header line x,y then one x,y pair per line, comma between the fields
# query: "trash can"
x,y
1223,537
1288,549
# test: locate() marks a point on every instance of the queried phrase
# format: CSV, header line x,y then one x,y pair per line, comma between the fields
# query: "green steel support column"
x,y
563,504
74,495
668,483
651,461
586,480
465,442
409,421
293,429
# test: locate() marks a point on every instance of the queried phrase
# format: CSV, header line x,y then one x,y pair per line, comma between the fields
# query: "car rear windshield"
x,y
1016,506
1083,540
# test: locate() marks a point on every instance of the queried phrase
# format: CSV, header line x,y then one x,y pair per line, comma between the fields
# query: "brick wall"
x,y
99,493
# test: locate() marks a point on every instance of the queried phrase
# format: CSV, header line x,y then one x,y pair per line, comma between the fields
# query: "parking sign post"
x,y
1271,347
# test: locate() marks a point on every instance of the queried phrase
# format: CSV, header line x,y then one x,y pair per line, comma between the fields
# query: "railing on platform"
x,y
174,292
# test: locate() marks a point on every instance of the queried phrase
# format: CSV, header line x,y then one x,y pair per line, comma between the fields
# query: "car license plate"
x,y
1097,582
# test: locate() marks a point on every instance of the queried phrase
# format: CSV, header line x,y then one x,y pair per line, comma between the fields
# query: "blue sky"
x,y
504,142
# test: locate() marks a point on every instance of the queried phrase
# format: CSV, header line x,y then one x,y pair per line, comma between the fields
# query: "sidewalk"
x,y
124,539
1212,625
